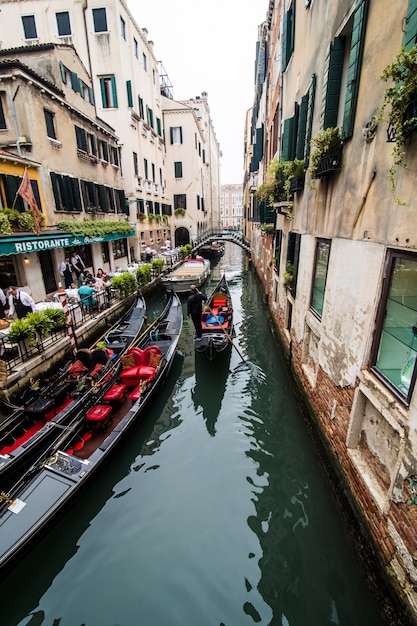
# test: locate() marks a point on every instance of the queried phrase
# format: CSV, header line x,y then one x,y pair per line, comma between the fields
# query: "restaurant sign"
x,y
26,245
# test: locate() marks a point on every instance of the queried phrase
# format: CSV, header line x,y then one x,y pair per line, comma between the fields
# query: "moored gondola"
x,y
56,479
217,322
31,428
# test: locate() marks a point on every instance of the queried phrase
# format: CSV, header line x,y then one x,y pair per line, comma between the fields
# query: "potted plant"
x,y
151,217
288,275
141,216
22,333
143,274
157,265
402,98
272,190
180,212
296,175
185,250
41,323
327,152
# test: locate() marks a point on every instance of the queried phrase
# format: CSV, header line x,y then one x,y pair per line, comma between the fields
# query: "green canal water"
x,y
216,511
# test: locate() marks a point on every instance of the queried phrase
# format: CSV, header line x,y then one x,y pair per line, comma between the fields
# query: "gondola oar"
x,y
227,334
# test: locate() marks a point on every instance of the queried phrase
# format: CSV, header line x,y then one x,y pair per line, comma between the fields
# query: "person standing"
x,y
77,264
195,309
20,302
65,271
148,254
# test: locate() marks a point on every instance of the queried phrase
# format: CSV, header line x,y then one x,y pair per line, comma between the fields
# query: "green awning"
x,y
32,243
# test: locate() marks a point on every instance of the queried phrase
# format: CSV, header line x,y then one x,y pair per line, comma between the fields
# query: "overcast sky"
x,y
209,46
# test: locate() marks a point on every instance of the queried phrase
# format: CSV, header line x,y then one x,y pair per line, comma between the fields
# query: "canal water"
x,y
215,512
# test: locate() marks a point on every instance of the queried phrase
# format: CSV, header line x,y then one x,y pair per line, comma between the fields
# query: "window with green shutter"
x,y
108,92
309,122
287,152
288,36
129,93
355,62
410,26
332,83
301,128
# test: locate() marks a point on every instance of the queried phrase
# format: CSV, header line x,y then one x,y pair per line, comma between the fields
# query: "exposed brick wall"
x,y
331,427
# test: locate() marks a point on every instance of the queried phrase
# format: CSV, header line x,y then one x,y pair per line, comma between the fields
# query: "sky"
x,y
209,46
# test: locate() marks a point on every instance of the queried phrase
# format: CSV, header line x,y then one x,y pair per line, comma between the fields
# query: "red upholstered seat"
x,y
98,412
142,356
115,393
135,394
134,375
99,418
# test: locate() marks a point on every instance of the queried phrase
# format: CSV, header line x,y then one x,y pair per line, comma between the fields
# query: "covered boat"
x,y
192,271
48,487
54,405
217,322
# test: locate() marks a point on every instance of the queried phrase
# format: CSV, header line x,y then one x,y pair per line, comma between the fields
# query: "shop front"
x,y
33,261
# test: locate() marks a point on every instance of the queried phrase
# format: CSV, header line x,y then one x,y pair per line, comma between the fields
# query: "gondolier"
x,y
195,309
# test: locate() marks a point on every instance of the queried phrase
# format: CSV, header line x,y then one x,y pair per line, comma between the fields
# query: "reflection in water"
x,y
210,385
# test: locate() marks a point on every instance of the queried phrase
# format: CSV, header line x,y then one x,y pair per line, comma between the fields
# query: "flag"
x,y
26,192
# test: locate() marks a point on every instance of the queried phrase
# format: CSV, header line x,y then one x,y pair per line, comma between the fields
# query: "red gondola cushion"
x,y
134,375
135,394
115,393
98,412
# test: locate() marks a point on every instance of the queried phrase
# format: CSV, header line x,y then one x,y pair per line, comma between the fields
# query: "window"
x,y
135,164
136,48
66,192
104,150
129,93
50,124
114,153
91,144
100,20
119,248
108,92
81,139
146,169
178,169
63,23
288,35
123,28
145,62
29,27
395,346
140,105
159,126
320,276
149,115
3,125
180,201
153,172
175,133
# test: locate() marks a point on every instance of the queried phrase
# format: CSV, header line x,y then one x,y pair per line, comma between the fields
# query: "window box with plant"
x,y
327,152
12,220
179,212
402,99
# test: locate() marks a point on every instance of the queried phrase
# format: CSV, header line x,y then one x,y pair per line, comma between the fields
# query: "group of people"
x,y
17,302
70,266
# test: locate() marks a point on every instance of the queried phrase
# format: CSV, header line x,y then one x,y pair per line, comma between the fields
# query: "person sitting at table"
x,y
20,302
65,271
86,292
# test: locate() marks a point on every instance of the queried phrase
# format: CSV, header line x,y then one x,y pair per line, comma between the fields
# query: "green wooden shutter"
x,y
410,33
114,91
74,82
285,42
309,122
355,62
129,93
288,139
301,128
103,93
332,82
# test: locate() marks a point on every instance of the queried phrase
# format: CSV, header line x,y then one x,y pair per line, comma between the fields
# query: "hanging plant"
x,y
288,275
88,228
179,212
402,98
327,143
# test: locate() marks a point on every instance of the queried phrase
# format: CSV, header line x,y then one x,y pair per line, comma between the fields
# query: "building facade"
x,y
336,250
231,205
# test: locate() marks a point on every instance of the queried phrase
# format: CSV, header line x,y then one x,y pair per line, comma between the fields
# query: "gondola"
x,y
46,490
192,271
217,322
31,428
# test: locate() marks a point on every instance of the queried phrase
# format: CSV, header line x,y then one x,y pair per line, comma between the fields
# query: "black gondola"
x,y
54,481
217,322
33,427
